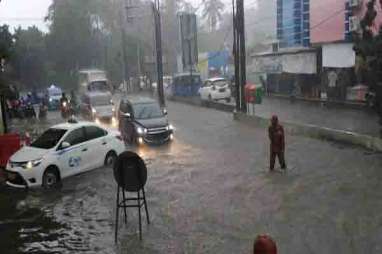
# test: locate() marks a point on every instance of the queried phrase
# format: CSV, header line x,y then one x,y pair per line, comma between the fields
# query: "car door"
x,y
122,118
130,127
72,160
96,139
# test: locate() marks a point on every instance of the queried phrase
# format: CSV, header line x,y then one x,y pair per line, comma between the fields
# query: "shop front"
x,y
289,72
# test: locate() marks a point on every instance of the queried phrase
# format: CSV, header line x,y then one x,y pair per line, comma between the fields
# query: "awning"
x,y
338,55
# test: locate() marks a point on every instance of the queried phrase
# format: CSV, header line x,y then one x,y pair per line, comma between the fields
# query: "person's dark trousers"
x,y
280,155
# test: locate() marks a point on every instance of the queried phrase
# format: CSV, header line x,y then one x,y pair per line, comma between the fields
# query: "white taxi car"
x,y
61,151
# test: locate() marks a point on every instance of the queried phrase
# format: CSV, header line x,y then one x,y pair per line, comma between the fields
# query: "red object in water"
x,y
9,144
264,244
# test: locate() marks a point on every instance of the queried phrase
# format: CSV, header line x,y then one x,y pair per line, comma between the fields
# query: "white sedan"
x,y
62,151
215,89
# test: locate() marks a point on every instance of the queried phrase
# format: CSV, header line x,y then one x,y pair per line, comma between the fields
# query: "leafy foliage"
x,y
212,12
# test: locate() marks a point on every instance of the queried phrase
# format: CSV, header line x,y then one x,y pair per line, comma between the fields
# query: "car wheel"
x,y
228,100
50,178
110,159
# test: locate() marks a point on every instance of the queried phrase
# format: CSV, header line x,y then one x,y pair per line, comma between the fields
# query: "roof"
x,y
68,126
138,100
215,79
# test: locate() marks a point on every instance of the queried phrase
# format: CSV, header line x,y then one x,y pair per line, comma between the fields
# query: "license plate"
x,y
222,90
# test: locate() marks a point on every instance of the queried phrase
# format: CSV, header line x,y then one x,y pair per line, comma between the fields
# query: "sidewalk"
x,y
358,120
362,121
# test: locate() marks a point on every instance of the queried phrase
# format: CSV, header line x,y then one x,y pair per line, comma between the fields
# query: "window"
x,y
49,138
76,137
147,111
93,132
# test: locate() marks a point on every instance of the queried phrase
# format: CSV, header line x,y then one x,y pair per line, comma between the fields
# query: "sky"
x,y
26,13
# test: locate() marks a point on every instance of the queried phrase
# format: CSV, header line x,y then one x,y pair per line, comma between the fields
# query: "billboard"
x,y
188,39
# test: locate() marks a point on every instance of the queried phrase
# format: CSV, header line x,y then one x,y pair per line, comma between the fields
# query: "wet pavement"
x,y
210,192
340,117
363,121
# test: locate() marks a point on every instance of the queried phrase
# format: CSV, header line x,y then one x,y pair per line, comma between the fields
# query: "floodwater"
x,y
210,192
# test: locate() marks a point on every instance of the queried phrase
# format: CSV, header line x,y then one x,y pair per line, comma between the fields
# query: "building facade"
x,y
293,23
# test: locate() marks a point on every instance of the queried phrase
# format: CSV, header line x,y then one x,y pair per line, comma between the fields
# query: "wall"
x,y
327,20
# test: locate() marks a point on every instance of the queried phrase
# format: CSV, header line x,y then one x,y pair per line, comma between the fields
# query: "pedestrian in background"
x,y
277,146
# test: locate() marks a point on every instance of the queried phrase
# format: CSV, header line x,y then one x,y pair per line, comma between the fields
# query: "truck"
x,y
95,95
93,80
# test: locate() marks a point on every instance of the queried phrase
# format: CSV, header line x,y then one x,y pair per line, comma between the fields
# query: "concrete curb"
x,y
328,103
314,131
207,104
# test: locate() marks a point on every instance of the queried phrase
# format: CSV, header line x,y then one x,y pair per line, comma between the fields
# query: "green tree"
x,y
6,42
30,57
368,47
212,12
72,40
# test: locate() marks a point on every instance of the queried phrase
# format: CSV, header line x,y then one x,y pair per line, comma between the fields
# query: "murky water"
x,y
210,192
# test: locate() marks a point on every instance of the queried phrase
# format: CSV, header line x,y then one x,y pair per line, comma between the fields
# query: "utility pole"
x,y
158,46
124,54
236,58
239,54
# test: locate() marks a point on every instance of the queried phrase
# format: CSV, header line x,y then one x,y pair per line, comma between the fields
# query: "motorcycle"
x,y
29,111
67,109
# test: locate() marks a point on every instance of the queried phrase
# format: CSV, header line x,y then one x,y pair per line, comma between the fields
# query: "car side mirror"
x,y
65,145
127,115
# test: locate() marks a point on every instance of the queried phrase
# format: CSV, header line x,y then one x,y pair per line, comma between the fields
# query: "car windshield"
x,y
147,111
101,101
98,86
49,138
221,83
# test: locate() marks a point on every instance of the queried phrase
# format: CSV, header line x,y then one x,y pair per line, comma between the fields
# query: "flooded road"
x,y
210,192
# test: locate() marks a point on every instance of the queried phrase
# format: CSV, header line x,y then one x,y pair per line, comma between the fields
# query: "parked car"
x,y
62,151
141,120
216,89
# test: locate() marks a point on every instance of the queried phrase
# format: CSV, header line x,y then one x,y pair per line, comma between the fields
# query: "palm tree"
x,y
212,11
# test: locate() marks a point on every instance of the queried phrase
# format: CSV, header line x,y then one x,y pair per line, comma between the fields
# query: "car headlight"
x,y
170,127
94,110
32,164
64,104
141,130
50,99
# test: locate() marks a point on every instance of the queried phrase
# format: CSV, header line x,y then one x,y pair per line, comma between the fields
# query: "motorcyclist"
x,y
63,99
64,105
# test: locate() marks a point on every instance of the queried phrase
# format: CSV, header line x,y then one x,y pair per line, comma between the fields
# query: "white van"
x,y
97,106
